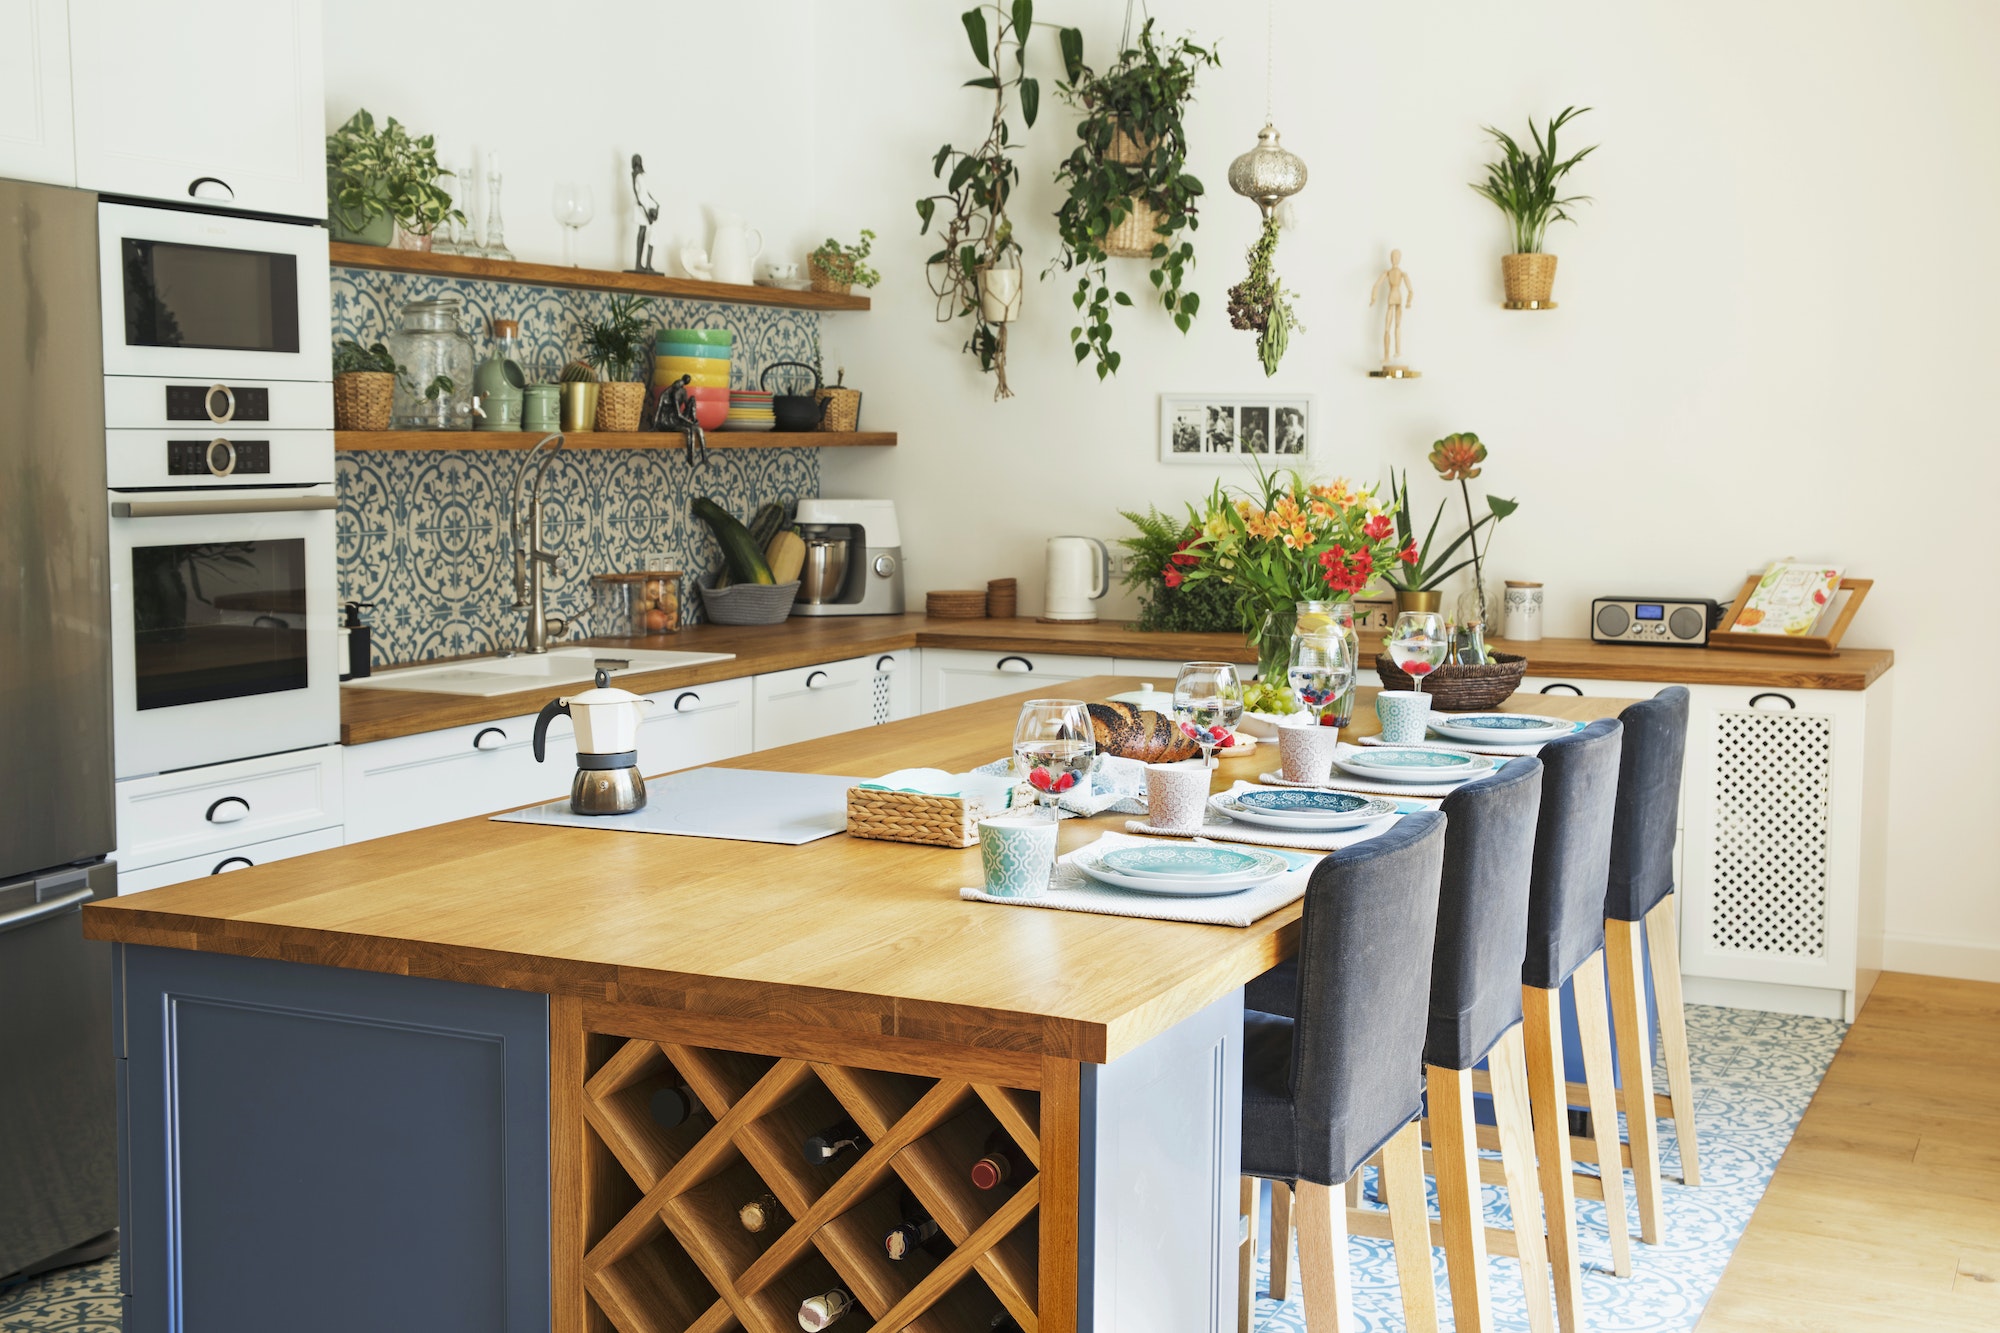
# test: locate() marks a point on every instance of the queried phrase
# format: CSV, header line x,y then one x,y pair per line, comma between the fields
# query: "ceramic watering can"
x,y
730,254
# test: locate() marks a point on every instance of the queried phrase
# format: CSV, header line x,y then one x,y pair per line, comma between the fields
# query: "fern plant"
x,y
1525,186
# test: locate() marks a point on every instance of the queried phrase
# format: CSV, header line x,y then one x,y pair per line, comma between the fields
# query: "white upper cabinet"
x,y
215,101
34,92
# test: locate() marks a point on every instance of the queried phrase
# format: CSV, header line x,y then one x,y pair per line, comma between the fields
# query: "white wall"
x,y
1775,334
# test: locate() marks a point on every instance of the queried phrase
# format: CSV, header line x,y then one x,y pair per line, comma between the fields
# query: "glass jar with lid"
x,y
433,367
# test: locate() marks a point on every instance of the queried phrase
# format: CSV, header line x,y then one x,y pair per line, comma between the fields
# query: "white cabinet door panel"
x,y
954,676
701,724
414,782
809,702
199,811
37,142
225,860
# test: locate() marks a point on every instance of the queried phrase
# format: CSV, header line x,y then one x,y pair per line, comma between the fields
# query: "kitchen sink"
x,y
485,676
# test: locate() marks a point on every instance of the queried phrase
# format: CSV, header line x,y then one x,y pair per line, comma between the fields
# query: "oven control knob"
x,y
885,565
221,457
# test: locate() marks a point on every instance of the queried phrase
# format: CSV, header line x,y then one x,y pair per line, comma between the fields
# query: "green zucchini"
x,y
742,556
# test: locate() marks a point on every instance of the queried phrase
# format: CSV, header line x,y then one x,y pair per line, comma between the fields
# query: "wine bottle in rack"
x,y
999,1161
761,1213
918,1228
675,1106
1004,1323
817,1312
834,1141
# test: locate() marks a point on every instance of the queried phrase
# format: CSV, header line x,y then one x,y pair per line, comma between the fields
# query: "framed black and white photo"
x,y
1205,428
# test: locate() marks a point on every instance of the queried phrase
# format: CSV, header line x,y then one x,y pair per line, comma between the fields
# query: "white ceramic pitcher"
x,y
731,252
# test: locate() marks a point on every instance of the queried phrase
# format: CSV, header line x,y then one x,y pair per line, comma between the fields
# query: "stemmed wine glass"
x,y
1418,644
574,207
1208,703
1054,748
1320,671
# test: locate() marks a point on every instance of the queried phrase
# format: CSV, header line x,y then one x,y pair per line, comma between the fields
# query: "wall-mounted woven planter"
x,y
620,404
362,399
1135,237
1530,279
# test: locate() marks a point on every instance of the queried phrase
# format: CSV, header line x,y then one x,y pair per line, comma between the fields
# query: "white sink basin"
x,y
526,671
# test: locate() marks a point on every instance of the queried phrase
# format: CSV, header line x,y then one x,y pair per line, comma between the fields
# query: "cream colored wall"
x,y
1775,334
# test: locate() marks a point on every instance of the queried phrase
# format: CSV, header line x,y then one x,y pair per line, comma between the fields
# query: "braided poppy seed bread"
x,y
1139,733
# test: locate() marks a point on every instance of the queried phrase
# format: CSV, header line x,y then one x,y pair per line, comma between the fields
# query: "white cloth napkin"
x,y
1434,742
1344,781
1220,828
1070,890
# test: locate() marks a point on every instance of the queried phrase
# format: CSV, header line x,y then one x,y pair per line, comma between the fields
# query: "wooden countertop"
x,y
864,938
372,714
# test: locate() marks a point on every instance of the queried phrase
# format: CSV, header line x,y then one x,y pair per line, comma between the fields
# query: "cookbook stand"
x,y
1824,645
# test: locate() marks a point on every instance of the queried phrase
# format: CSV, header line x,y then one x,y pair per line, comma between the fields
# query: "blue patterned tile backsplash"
x,y
424,535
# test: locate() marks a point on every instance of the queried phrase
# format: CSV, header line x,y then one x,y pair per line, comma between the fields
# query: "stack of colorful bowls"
x,y
703,356
750,409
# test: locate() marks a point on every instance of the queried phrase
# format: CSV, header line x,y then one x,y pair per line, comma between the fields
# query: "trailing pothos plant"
x,y
974,232
1130,158
1260,301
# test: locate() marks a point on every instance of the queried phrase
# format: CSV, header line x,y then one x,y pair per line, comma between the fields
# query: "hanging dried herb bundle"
x,y
1261,303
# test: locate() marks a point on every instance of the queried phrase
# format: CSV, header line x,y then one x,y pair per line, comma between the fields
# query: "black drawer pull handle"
x,y
194,188
1559,686
229,861
816,679
484,732
216,814
1001,665
886,662
681,699
1785,699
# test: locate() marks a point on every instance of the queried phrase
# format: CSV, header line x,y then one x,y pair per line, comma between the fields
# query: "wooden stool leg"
x,y
1664,942
1508,1063
1401,1185
1455,1158
1323,1264
1281,1240
1593,1020
1548,1097
1246,1255
1353,1189
1623,957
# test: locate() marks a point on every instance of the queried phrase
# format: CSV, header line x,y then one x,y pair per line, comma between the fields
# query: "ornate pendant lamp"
x,y
1268,173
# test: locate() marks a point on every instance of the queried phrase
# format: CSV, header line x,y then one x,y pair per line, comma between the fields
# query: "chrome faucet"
x,y
529,557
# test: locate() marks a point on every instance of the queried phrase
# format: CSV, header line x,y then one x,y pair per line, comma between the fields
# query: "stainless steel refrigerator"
x,y
58,1129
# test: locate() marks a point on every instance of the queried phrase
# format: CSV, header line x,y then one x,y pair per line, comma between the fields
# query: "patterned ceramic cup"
x,y
1177,795
1305,751
1019,852
1404,715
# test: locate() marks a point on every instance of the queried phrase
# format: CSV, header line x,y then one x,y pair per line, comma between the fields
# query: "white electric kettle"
x,y
1079,573
607,720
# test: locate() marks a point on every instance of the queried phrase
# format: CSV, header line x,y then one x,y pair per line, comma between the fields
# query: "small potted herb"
x,y
380,179
1524,186
616,347
364,385
838,268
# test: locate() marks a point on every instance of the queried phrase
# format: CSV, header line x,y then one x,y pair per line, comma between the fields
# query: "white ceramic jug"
x,y
730,253
1079,572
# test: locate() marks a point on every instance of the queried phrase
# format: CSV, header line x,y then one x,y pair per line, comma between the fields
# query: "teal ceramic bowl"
x,y
699,351
713,337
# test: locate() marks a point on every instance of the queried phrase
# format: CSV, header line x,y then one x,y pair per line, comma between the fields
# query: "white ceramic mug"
x,y
1404,714
1305,751
1018,853
1177,795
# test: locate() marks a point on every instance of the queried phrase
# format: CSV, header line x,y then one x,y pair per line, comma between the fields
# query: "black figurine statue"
x,y
675,410
649,209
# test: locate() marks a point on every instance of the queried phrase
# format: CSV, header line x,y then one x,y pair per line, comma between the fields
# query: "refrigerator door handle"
x,y
27,916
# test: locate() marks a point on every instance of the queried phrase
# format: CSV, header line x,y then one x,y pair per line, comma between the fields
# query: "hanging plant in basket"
x,y
1129,193
975,273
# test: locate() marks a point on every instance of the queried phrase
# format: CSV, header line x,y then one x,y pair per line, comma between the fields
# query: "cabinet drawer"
x,y
417,781
698,725
809,702
954,676
174,815
223,860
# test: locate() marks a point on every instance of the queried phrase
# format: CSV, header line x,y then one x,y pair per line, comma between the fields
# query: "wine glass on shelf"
x,y
574,207
1320,671
1054,748
1418,644
1208,703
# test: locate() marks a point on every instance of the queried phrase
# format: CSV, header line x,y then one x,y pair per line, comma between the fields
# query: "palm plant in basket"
x,y
1527,187
616,346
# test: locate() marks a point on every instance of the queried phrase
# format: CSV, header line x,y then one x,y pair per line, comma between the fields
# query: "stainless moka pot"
x,y
607,719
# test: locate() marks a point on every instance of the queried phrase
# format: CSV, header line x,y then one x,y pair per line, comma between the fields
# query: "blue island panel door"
x,y
324,1150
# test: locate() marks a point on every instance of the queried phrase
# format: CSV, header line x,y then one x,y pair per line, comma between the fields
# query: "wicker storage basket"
x,y
620,405
1001,598
822,281
1458,689
1135,237
969,604
907,816
1530,279
841,410
362,398
749,603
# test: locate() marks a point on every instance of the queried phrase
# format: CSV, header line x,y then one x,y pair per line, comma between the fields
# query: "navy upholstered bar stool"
x,y
1325,1091
1639,897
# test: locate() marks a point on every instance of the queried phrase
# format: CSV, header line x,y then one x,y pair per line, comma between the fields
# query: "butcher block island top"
x,y
375,713
858,940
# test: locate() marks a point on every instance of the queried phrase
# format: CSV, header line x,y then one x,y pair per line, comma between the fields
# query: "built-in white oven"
x,y
212,296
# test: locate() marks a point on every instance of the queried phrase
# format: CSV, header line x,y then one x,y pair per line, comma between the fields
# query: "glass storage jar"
x,y
645,603
433,367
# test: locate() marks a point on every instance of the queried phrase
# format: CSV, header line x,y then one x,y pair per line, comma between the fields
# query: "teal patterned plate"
x,y
1185,870
1414,765
1502,728
1301,810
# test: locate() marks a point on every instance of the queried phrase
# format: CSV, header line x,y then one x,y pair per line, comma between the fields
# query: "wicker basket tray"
x,y
1458,689
749,603
908,816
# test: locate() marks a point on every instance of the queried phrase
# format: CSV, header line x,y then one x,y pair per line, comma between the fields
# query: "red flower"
x,y
1408,555
1376,528
1183,556
1172,578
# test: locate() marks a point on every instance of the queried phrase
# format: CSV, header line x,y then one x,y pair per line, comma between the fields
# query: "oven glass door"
x,y
222,626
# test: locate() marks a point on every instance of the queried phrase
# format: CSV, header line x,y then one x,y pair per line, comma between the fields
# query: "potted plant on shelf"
x,y
1458,458
1524,186
1162,555
364,385
1130,195
616,347
838,268
380,179
975,272
1421,571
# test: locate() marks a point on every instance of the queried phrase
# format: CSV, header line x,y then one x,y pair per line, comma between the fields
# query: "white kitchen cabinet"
x,y
217,808
216,101
227,860
698,725
37,142
955,676
809,702
1158,671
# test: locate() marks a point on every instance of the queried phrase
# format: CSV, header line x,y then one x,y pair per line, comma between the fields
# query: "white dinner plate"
x,y
1303,810
1184,870
1501,728
1389,764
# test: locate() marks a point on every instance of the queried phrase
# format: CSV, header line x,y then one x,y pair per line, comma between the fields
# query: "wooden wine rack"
x,y
664,1251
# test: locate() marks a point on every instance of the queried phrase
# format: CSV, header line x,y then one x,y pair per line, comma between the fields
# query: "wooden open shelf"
x,y
361,441
390,260
669,1254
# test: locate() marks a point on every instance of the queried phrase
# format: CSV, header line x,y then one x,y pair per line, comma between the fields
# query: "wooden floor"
x,y
1885,1212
